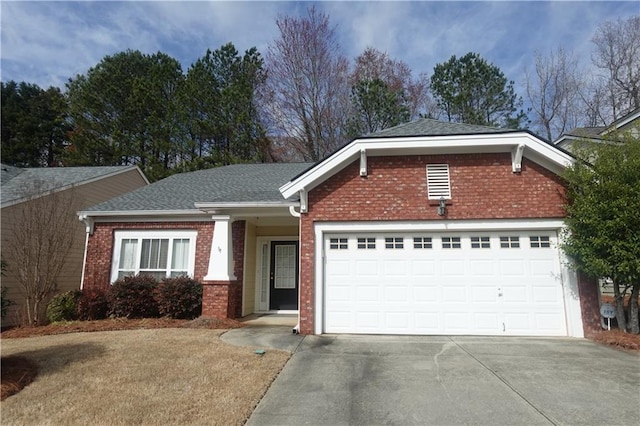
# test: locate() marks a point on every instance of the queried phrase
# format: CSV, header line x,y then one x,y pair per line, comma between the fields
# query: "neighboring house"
x,y
90,185
628,123
424,228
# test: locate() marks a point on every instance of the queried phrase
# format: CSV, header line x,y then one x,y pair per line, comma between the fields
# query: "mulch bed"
x,y
117,324
17,372
618,339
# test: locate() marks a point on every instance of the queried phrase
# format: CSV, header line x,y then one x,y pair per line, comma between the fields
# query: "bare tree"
x,y
41,238
373,64
553,89
617,54
308,82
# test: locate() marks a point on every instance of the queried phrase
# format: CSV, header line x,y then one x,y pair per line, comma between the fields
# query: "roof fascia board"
x,y
248,205
75,185
475,143
140,213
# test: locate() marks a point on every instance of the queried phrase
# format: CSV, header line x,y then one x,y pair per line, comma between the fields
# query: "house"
x,y
628,123
90,185
424,228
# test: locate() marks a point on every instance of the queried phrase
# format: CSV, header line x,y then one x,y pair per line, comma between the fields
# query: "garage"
x,y
452,283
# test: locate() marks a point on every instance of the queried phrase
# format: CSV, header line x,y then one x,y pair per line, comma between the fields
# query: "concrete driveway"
x,y
374,380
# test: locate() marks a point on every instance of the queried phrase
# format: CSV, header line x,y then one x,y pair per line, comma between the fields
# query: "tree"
x,y
34,125
40,243
413,93
553,92
603,218
124,111
472,91
221,113
308,86
617,54
375,107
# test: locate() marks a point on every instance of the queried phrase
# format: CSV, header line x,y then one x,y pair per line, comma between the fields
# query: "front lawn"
x,y
143,376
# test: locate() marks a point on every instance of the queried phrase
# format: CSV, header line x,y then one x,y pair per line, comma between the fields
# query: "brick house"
x,y
424,228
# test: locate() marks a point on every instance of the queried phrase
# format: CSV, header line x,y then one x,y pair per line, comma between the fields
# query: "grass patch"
x,y
142,376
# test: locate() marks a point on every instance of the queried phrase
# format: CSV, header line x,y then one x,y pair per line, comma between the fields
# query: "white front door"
x,y
477,283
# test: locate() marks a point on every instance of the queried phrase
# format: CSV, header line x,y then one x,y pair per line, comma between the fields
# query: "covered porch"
x,y
253,262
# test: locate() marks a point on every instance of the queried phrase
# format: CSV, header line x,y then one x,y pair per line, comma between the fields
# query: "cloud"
x,y
48,42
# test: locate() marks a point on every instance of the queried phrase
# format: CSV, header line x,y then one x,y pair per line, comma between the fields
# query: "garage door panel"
x,y
423,288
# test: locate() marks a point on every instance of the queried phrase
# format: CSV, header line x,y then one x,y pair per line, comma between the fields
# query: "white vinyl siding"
x,y
160,254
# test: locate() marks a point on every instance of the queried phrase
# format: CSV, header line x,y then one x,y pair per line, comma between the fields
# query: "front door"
x,y
283,278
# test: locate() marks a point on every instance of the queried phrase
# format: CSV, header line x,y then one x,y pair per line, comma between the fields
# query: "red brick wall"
x,y
482,187
220,299
97,271
589,304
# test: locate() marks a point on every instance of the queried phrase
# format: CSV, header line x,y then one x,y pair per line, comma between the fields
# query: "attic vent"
x,y
438,184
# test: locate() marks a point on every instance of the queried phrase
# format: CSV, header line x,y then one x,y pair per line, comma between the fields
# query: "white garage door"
x,y
502,283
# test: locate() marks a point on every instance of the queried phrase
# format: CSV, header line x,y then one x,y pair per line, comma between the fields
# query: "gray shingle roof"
x,y
429,127
239,183
587,132
18,183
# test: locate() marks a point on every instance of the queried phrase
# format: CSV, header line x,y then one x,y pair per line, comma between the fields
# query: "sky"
x,y
48,42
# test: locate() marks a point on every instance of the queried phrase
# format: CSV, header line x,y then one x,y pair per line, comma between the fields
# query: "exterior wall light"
x,y
442,207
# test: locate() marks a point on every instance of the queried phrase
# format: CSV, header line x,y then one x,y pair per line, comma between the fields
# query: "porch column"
x,y
221,257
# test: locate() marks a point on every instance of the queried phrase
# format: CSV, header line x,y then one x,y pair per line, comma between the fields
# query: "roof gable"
x,y
518,143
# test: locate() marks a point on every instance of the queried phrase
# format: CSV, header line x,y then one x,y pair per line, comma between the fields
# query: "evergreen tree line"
x,y
301,101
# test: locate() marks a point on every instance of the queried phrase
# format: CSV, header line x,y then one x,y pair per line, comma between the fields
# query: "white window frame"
x,y
140,235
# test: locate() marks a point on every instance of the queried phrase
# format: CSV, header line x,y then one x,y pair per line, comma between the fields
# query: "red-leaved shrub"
x,y
92,305
179,298
132,297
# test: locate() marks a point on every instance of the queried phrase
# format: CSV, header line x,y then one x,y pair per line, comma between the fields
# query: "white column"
x,y
221,258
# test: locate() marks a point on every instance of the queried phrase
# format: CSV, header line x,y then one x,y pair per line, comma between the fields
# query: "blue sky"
x,y
47,42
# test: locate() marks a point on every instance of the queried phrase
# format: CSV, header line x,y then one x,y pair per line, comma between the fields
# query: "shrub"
x,y
132,297
179,298
63,307
93,305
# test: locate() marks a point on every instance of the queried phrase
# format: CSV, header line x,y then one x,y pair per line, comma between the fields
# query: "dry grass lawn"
x,y
148,377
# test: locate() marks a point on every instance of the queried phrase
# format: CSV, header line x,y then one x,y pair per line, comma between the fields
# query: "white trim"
x,y
537,150
569,278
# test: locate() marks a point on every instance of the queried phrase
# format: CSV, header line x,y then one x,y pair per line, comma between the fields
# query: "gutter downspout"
x,y
294,213
88,231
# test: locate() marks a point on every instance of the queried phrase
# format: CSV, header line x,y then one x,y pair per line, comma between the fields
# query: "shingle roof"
x,y
587,132
429,127
239,183
18,183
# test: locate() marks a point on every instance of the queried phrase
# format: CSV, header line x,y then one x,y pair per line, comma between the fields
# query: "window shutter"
x,y
438,184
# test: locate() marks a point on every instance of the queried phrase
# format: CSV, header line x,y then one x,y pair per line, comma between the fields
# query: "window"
x,y
422,243
438,184
338,243
509,242
394,242
451,243
366,243
539,242
480,242
159,254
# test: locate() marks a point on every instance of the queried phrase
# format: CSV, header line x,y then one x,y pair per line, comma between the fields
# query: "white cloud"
x,y
48,42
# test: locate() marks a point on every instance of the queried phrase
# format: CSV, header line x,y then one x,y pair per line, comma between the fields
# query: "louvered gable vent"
x,y
438,184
